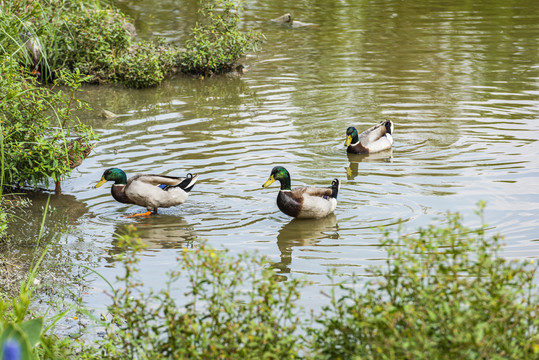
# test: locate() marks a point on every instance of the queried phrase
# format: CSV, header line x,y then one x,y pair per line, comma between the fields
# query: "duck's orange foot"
x,y
147,213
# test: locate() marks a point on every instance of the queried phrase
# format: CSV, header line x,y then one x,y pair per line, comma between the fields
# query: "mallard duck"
x,y
150,191
304,202
377,138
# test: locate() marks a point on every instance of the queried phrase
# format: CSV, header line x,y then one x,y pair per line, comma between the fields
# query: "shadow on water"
x,y
65,211
156,232
352,170
303,232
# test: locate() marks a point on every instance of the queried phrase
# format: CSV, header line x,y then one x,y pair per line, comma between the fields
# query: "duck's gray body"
x,y
145,190
375,139
307,202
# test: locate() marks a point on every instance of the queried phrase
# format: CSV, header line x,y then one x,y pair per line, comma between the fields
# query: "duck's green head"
x,y
113,174
352,136
281,174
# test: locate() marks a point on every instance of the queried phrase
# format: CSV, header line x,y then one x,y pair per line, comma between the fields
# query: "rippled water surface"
x,y
460,80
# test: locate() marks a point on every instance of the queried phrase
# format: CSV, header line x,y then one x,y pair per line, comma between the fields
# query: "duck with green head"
x,y
375,139
150,191
304,202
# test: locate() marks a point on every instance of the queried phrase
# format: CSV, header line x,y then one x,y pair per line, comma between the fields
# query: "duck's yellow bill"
x,y
348,140
270,181
101,182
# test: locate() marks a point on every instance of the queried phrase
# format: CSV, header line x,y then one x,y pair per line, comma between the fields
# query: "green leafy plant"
x,y
39,135
146,64
95,40
217,42
232,308
445,293
92,41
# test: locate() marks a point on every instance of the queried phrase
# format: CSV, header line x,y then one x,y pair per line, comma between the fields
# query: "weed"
x,y
22,338
217,42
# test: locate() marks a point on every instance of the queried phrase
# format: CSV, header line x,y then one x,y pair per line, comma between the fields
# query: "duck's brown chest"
x,y
289,203
118,193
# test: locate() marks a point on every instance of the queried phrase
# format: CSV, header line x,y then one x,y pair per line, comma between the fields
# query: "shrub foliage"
x,y
90,38
445,293
40,137
231,308
217,42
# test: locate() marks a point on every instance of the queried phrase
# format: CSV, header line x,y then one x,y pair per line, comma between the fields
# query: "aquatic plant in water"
x,y
217,43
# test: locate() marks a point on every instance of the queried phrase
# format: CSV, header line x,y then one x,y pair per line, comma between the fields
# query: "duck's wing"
x,y
318,191
317,202
155,191
373,134
165,181
156,179
325,192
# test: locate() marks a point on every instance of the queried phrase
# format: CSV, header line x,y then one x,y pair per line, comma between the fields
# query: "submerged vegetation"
x,y
96,40
443,293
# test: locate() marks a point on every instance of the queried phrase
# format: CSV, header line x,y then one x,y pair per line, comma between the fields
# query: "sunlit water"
x,y
460,82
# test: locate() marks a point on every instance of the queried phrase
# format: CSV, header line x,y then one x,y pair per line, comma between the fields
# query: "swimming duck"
x,y
377,138
150,191
304,202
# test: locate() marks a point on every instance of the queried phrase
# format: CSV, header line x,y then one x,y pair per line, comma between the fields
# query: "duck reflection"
x,y
303,232
355,159
158,232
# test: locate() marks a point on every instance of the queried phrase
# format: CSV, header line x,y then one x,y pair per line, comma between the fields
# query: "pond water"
x,y
460,80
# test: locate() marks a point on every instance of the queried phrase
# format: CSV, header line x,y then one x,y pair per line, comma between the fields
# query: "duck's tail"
x,y
335,186
188,183
388,124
